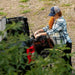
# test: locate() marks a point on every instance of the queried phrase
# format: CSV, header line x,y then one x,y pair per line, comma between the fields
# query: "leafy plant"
x,y
13,58
14,26
54,64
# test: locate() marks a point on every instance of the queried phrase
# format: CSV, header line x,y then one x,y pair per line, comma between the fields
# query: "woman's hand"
x,y
37,35
38,31
41,34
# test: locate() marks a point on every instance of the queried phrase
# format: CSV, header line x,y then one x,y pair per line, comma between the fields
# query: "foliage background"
x,y
13,57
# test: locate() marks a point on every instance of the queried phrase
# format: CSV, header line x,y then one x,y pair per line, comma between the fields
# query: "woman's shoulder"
x,y
61,20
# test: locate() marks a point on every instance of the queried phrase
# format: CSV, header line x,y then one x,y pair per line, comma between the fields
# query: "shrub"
x,y
13,58
54,64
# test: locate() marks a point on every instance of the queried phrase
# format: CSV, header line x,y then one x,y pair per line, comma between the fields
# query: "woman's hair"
x,y
59,13
51,21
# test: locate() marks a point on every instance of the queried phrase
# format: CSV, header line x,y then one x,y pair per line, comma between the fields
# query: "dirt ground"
x,y
37,13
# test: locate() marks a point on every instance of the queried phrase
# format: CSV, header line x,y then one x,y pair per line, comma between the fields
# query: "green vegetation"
x,y
48,0
12,52
35,13
23,6
25,11
13,59
66,5
58,65
32,25
69,17
42,8
73,27
3,14
48,3
24,0
1,8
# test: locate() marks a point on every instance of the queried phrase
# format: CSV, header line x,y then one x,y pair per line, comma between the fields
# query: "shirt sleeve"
x,y
58,27
46,28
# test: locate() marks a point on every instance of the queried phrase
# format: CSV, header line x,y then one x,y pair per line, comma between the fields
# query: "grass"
x,y
3,14
41,26
35,13
73,27
42,8
73,43
69,17
23,6
48,3
66,5
24,0
48,0
1,8
26,11
31,25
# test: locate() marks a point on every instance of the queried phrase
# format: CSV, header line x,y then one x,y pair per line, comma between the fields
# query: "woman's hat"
x,y
54,10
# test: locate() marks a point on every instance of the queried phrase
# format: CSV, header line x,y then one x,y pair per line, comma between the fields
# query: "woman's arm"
x,y
58,28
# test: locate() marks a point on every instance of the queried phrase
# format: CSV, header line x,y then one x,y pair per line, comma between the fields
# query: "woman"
x,y
59,30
